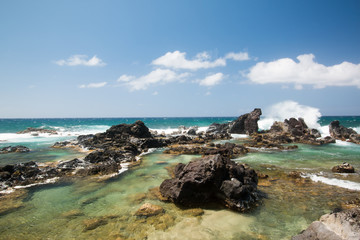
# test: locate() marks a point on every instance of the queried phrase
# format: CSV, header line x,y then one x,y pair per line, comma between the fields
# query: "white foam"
x,y
233,135
344,143
334,182
48,181
177,131
47,137
288,109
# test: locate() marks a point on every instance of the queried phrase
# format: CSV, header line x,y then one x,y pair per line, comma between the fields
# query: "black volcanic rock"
x,y
343,168
212,179
247,123
340,132
10,149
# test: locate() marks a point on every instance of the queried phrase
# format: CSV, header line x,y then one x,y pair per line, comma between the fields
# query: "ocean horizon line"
x,y
27,118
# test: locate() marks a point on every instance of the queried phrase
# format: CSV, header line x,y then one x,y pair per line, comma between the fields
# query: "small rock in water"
x,y
343,168
148,210
294,174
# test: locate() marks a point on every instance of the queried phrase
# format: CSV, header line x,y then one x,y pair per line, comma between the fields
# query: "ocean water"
x,y
64,209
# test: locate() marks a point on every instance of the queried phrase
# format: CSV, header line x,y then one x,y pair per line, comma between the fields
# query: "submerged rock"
x,y
212,179
343,168
90,224
148,209
335,226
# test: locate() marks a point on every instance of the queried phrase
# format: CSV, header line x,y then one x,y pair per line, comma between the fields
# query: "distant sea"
x,y
62,210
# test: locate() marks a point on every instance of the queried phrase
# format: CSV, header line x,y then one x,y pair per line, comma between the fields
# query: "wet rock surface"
x,y
343,168
148,210
18,149
212,179
334,226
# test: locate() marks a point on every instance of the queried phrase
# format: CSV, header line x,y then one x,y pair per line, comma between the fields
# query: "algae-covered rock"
x,y
148,209
90,224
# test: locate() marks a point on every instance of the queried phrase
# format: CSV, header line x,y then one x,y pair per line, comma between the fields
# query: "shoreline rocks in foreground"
x,y
334,226
212,179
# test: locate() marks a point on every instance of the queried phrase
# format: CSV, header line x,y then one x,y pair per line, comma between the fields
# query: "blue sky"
x,y
177,58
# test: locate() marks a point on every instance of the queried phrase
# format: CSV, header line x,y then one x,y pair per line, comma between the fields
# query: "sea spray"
x,y
334,182
288,109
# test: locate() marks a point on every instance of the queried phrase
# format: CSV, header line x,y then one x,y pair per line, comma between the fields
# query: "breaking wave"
x,y
287,109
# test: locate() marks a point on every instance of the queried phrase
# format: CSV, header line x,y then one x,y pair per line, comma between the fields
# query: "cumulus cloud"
x,y
211,80
125,78
93,85
305,72
240,56
177,60
158,76
81,60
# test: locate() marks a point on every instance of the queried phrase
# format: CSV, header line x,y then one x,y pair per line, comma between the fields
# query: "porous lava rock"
x,y
212,179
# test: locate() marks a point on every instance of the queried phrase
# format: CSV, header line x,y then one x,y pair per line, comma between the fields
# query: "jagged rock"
x,y
247,123
38,130
212,179
192,131
340,132
343,168
10,149
148,210
355,138
335,226
70,165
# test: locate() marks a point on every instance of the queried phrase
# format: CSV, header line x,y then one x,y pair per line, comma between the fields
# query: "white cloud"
x,y
93,85
240,56
211,80
158,76
125,78
81,60
177,60
305,72
155,93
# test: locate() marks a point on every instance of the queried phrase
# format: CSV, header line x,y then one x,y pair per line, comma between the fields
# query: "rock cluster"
x,y
342,133
10,149
37,130
290,131
230,150
210,179
334,226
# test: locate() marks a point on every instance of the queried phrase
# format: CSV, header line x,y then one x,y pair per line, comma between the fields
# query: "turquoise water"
x,y
64,210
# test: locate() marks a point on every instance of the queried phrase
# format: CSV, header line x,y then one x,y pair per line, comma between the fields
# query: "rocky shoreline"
x,y
124,143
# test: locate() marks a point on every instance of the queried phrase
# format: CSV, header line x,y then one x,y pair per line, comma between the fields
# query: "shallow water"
x,y
64,210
